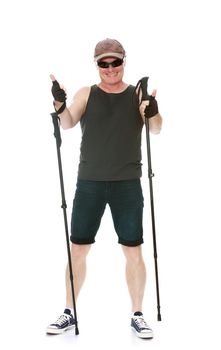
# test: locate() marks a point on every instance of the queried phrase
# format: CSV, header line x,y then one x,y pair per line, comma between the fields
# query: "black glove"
x,y
59,95
151,110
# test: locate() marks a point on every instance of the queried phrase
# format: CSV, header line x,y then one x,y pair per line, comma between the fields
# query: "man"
x,y
109,172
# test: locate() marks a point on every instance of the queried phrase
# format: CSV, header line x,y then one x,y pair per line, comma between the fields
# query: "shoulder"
x,y
83,93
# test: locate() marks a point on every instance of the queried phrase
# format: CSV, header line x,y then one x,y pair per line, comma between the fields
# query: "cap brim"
x,y
109,54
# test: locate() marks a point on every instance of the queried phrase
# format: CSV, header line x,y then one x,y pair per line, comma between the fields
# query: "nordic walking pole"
x,y
57,135
145,96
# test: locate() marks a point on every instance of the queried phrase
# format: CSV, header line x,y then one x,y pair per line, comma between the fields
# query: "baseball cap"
x,y
109,48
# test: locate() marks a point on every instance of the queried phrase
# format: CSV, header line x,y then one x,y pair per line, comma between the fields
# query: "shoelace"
x,y
62,319
141,323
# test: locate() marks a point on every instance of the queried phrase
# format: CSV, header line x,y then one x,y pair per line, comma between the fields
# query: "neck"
x,y
114,88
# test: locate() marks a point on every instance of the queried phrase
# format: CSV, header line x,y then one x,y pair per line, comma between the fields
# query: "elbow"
x,y
66,127
156,124
155,131
67,123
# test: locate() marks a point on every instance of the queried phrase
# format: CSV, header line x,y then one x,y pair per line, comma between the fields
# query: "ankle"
x,y
68,310
137,313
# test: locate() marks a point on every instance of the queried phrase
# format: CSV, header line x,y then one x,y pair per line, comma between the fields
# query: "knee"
x,y
133,254
79,251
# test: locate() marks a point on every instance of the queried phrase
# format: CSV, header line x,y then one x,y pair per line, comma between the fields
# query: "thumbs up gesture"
x,y
59,95
58,92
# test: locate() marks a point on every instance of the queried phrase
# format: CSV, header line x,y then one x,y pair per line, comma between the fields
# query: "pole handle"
x,y
143,85
57,133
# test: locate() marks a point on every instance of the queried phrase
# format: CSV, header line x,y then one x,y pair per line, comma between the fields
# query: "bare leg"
x,y
78,256
135,275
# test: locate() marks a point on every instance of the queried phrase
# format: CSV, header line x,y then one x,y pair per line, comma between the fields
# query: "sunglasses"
x,y
116,63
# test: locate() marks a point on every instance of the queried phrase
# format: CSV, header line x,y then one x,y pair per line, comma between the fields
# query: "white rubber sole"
x,y
143,335
51,330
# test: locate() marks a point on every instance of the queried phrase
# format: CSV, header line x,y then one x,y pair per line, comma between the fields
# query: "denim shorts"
x,y
125,199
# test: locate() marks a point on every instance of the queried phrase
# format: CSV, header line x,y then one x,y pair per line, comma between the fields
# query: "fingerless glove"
x,y
151,110
59,95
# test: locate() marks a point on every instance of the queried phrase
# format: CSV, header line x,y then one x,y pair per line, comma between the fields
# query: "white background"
x,y
175,43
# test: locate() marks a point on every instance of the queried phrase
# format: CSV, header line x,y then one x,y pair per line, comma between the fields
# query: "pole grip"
x,y
143,85
57,133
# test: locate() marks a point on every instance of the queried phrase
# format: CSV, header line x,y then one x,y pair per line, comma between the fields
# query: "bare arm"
x,y
72,115
155,124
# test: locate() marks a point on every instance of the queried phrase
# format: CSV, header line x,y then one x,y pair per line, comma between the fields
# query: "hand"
x,y
59,95
149,108
58,92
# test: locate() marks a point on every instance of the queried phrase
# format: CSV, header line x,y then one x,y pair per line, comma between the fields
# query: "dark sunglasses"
x,y
118,62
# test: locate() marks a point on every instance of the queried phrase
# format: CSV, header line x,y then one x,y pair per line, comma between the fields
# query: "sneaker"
x,y
140,327
65,322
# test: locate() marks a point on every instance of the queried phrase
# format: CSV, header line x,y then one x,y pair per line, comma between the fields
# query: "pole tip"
x,y
76,330
159,317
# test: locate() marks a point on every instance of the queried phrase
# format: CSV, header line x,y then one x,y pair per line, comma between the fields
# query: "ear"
x,y
124,64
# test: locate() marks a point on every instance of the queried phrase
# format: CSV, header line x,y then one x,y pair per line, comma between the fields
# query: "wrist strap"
x,y
61,109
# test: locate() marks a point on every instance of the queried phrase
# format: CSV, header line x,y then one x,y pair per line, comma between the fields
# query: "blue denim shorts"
x,y
125,199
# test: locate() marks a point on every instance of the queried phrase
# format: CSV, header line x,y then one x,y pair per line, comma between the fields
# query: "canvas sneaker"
x,y
139,325
65,322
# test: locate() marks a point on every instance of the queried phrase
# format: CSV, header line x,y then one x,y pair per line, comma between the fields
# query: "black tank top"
x,y
111,136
